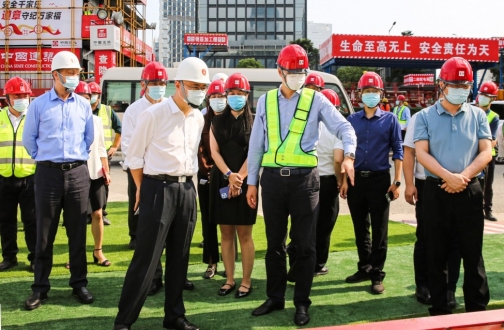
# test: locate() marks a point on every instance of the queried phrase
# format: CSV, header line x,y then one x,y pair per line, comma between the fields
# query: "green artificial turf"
x,y
334,301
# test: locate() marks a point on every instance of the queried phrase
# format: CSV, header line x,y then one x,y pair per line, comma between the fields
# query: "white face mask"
x,y
20,105
484,100
94,98
218,104
195,98
295,81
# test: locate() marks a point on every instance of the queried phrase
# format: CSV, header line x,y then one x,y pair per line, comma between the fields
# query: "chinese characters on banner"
x,y
206,39
408,48
419,79
23,23
27,59
104,59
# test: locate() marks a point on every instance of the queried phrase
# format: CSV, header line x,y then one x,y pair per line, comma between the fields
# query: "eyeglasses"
x,y
195,88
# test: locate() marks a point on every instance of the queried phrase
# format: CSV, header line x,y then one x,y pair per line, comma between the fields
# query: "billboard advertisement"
x,y
27,59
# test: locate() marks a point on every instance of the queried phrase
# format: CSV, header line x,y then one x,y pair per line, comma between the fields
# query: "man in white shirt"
x,y
162,158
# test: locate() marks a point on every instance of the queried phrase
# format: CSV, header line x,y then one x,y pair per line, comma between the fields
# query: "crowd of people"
x,y
54,157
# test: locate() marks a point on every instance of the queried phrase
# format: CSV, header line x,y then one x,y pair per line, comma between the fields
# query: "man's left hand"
x,y
111,151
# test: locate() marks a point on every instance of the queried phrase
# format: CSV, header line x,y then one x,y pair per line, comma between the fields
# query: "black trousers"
x,y
462,214
167,215
489,178
328,213
420,251
369,207
16,192
132,218
104,208
211,245
297,196
57,190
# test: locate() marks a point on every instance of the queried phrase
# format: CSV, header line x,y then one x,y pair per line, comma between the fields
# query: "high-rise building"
x,y
177,17
255,28
319,32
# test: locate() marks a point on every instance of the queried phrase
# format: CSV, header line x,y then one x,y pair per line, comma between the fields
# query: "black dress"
x,y
233,144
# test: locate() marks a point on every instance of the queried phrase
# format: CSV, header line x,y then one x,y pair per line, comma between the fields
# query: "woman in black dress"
x,y
216,102
229,141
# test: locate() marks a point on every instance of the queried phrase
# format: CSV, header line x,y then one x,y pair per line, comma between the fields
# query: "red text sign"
x,y
28,59
104,60
206,39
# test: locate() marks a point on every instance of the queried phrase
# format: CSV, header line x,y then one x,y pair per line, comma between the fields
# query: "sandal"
x,y
104,263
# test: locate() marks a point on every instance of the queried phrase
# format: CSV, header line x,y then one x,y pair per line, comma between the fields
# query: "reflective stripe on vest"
x,y
14,159
490,117
105,113
399,116
288,152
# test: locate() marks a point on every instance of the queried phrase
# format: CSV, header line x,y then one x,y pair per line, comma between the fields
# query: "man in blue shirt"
x,y
453,143
403,114
58,134
368,200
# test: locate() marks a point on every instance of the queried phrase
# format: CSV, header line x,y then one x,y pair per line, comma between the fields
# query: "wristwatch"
x,y
350,155
226,176
397,183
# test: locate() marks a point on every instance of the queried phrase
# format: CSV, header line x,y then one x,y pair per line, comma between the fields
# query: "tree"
x,y
249,63
313,53
351,74
407,33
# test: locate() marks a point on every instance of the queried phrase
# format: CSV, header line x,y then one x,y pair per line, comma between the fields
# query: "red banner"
x,y
501,42
87,21
104,60
27,59
419,79
127,40
409,48
207,39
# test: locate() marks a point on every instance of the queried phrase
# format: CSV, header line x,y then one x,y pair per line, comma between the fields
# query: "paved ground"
x,y
399,210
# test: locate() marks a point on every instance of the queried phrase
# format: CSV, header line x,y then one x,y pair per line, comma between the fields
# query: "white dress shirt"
x,y
408,142
98,150
165,141
15,121
129,122
500,141
325,150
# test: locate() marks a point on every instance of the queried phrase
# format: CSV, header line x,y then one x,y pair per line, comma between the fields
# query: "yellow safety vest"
x,y
288,152
490,117
14,159
105,114
399,115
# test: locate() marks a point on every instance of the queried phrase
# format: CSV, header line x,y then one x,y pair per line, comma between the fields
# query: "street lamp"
x,y
391,28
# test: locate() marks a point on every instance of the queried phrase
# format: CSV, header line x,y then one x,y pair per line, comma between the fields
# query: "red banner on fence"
x,y
419,79
27,59
209,39
104,60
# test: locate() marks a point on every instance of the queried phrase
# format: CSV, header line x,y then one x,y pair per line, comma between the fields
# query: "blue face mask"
x,y
457,95
94,99
156,92
71,82
371,99
237,102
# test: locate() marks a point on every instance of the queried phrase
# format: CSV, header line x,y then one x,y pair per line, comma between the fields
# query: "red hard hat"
x,y
314,79
489,88
94,88
293,57
17,85
332,96
216,87
401,98
154,71
456,70
237,81
370,79
82,88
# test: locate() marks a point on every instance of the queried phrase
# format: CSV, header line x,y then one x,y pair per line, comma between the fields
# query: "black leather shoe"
x,y
450,299
377,287
422,295
321,271
106,221
83,295
490,216
180,323
267,307
189,286
359,276
242,294
121,327
301,317
35,300
132,244
226,289
7,264
155,286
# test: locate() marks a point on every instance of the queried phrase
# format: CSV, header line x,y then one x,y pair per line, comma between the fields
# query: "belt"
x,y
441,182
367,174
288,171
62,166
171,178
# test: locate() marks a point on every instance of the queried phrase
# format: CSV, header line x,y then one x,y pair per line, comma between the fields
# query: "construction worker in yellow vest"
x,y
486,95
284,141
403,114
16,176
111,127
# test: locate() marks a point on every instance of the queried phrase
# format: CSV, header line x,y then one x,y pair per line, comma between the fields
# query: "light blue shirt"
x,y
58,131
321,110
453,139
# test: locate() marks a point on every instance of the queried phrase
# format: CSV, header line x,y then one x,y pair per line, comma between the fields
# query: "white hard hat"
x,y
193,69
65,60
220,76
